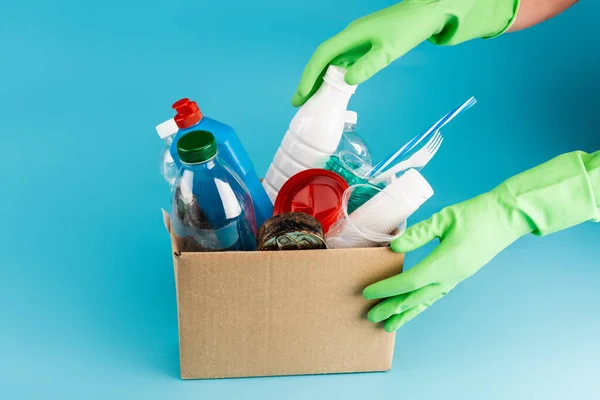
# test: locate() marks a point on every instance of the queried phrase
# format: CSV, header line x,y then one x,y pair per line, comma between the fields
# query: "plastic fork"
x,y
398,155
417,160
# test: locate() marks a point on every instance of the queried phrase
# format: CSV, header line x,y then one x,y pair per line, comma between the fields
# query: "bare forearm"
x,y
533,12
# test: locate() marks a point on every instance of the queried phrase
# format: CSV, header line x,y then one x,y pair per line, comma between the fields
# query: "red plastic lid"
x,y
188,113
315,192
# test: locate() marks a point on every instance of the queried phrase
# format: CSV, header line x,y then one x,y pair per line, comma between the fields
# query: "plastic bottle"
x,y
168,168
351,141
314,133
373,223
231,151
212,208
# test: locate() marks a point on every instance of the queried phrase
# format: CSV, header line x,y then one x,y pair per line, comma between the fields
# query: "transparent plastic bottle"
x,y
168,168
212,209
351,141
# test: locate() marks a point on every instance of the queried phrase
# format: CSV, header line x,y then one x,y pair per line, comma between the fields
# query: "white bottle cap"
x,y
413,186
335,76
351,117
167,128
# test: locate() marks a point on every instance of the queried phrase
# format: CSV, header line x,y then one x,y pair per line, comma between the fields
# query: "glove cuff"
x,y
592,166
558,194
510,8
475,19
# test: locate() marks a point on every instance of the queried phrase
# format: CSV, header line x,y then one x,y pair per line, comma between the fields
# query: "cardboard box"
x,y
246,314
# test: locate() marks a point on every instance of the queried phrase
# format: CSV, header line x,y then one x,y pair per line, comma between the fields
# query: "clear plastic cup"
x,y
369,225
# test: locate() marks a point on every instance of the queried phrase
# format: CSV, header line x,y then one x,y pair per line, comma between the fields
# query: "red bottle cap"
x,y
180,103
315,192
188,113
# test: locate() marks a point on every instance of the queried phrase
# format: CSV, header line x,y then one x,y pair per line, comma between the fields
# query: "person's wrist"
x,y
505,13
557,194
474,19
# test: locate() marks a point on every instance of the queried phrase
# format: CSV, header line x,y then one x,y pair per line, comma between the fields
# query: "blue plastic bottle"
x,y
189,118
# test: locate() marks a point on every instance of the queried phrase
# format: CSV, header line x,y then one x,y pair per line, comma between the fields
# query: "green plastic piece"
x,y
334,164
196,147
362,193
372,42
556,195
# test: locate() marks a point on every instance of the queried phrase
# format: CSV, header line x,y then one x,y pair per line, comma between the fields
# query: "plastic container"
x,y
168,168
354,170
212,208
350,166
231,151
291,231
314,133
351,142
349,232
383,218
316,192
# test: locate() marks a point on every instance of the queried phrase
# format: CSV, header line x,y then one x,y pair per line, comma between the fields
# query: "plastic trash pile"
x,y
320,191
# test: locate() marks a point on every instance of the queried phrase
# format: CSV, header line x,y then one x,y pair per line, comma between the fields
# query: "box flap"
x,y
169,227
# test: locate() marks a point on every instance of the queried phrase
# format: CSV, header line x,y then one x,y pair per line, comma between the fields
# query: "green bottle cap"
x,y
196,147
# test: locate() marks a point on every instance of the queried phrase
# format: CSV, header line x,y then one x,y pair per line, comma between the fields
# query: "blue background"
x,y
87,297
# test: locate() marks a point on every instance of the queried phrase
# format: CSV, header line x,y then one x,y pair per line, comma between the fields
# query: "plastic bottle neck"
x,y
336,78
349,127
334,86
334,90
210,164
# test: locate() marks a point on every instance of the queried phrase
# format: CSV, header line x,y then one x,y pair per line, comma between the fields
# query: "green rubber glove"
x,y
372,42
559,194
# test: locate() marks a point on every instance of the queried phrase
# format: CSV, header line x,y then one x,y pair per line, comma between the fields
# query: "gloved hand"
x,y
561,193
372,42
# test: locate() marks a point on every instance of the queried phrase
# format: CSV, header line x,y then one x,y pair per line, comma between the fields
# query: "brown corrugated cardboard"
x,y
281,312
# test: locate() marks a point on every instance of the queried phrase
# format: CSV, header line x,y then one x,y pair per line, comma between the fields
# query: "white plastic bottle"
x,y
168,168
314,133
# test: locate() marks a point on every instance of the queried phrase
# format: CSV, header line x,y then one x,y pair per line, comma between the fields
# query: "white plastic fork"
x,y
417,160
399,154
